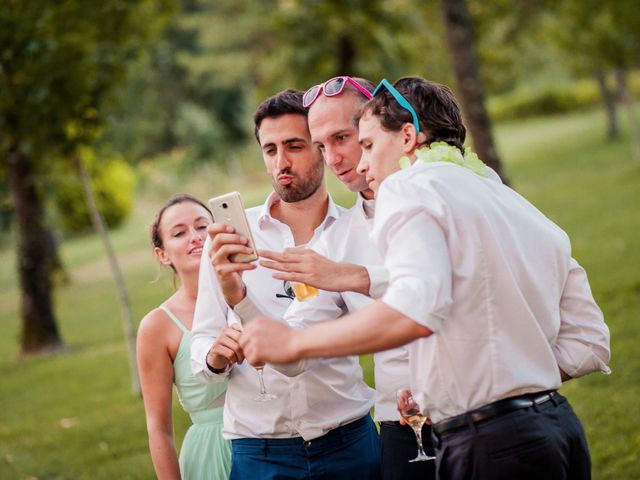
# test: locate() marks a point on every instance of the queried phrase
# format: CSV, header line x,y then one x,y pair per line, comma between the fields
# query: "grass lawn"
x,y
71,415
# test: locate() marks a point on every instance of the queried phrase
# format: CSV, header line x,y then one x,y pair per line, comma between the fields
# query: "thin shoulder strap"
x,y
174,318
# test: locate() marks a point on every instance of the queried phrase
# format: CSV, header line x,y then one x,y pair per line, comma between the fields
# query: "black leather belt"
x,y
391,423
495,409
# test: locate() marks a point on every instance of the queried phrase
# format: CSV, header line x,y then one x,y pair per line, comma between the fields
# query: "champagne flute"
x,y
410,411
263,396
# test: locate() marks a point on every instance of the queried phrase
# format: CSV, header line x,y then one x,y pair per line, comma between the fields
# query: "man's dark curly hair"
x,y
436,106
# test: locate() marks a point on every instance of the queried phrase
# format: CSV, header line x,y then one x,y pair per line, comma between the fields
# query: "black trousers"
x,y
398,446
543,442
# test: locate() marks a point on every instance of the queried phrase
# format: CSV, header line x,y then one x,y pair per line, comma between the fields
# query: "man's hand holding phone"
x,y
232,247
225,242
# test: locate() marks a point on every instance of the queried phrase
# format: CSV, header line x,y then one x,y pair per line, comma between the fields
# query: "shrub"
x,y
113,182
531,101
527,101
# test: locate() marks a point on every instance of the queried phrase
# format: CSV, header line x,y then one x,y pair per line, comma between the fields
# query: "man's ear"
x,y
162,256
409,138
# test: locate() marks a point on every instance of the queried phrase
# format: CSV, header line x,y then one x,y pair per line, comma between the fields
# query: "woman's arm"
x,y
156,377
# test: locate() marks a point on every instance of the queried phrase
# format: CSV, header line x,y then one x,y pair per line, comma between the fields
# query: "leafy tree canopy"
x,y
59,63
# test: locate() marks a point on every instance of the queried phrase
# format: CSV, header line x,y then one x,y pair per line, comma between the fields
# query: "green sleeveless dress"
x,y
204,453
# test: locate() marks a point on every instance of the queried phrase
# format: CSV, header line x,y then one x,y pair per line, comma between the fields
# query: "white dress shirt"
x,y
309,405
493,278
348,241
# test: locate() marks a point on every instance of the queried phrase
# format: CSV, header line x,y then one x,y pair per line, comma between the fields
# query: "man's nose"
x,y
282,160
363,166
332,157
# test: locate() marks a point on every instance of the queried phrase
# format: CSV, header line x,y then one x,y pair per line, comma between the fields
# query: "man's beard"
x,y
299,189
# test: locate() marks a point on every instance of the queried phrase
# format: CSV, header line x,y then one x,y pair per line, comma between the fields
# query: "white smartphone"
x,y
228,209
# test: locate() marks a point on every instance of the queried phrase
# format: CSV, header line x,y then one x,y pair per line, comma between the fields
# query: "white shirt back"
x,y
486,271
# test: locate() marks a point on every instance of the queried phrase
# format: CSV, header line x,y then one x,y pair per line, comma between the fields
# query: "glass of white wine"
x,y
410,411
263,396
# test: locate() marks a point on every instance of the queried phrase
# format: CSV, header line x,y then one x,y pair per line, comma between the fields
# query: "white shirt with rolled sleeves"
x,y
348,241
306,406
493,278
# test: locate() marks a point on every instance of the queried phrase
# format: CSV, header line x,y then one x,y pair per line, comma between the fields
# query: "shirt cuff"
x,y
217,373
247,309
576,368
378,280
405,297
290,369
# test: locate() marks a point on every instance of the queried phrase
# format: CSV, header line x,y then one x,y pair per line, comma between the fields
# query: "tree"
x,y
319,40
461,42
100,227
191,88
609,99
59,64
196,88
602,38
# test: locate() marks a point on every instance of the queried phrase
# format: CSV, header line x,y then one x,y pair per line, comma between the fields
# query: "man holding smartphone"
x,y
484,366
333,130
318,426
331,127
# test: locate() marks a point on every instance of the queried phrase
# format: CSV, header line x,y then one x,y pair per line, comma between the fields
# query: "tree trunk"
x,y
59,274
125,307
39,329
346,55
627,100
461,43
609,99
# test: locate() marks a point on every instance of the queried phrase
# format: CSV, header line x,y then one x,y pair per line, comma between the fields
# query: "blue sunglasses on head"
x,y
400,99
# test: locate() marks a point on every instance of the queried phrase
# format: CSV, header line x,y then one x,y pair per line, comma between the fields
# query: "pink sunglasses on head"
x,y
331,88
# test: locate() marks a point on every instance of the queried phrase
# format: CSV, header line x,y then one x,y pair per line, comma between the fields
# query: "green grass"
x,y
591,188
71,415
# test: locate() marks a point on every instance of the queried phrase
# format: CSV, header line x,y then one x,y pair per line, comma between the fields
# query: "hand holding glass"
x,y
263,396
410,411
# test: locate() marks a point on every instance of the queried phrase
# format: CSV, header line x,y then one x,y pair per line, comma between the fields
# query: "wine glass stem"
x,y
418,432
263,390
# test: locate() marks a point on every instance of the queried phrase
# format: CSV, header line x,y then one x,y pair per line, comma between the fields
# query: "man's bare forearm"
x,y
375,328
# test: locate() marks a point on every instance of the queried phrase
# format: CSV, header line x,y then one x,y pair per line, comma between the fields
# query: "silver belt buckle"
x,y
542,398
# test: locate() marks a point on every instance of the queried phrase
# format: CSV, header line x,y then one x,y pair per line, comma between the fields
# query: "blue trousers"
x,y
542,442
349,452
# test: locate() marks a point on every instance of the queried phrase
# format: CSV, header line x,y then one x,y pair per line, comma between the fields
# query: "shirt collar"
x,y
265,212
366,207
332,213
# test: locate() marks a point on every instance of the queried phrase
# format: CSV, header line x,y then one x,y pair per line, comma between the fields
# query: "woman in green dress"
x,y
178,234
